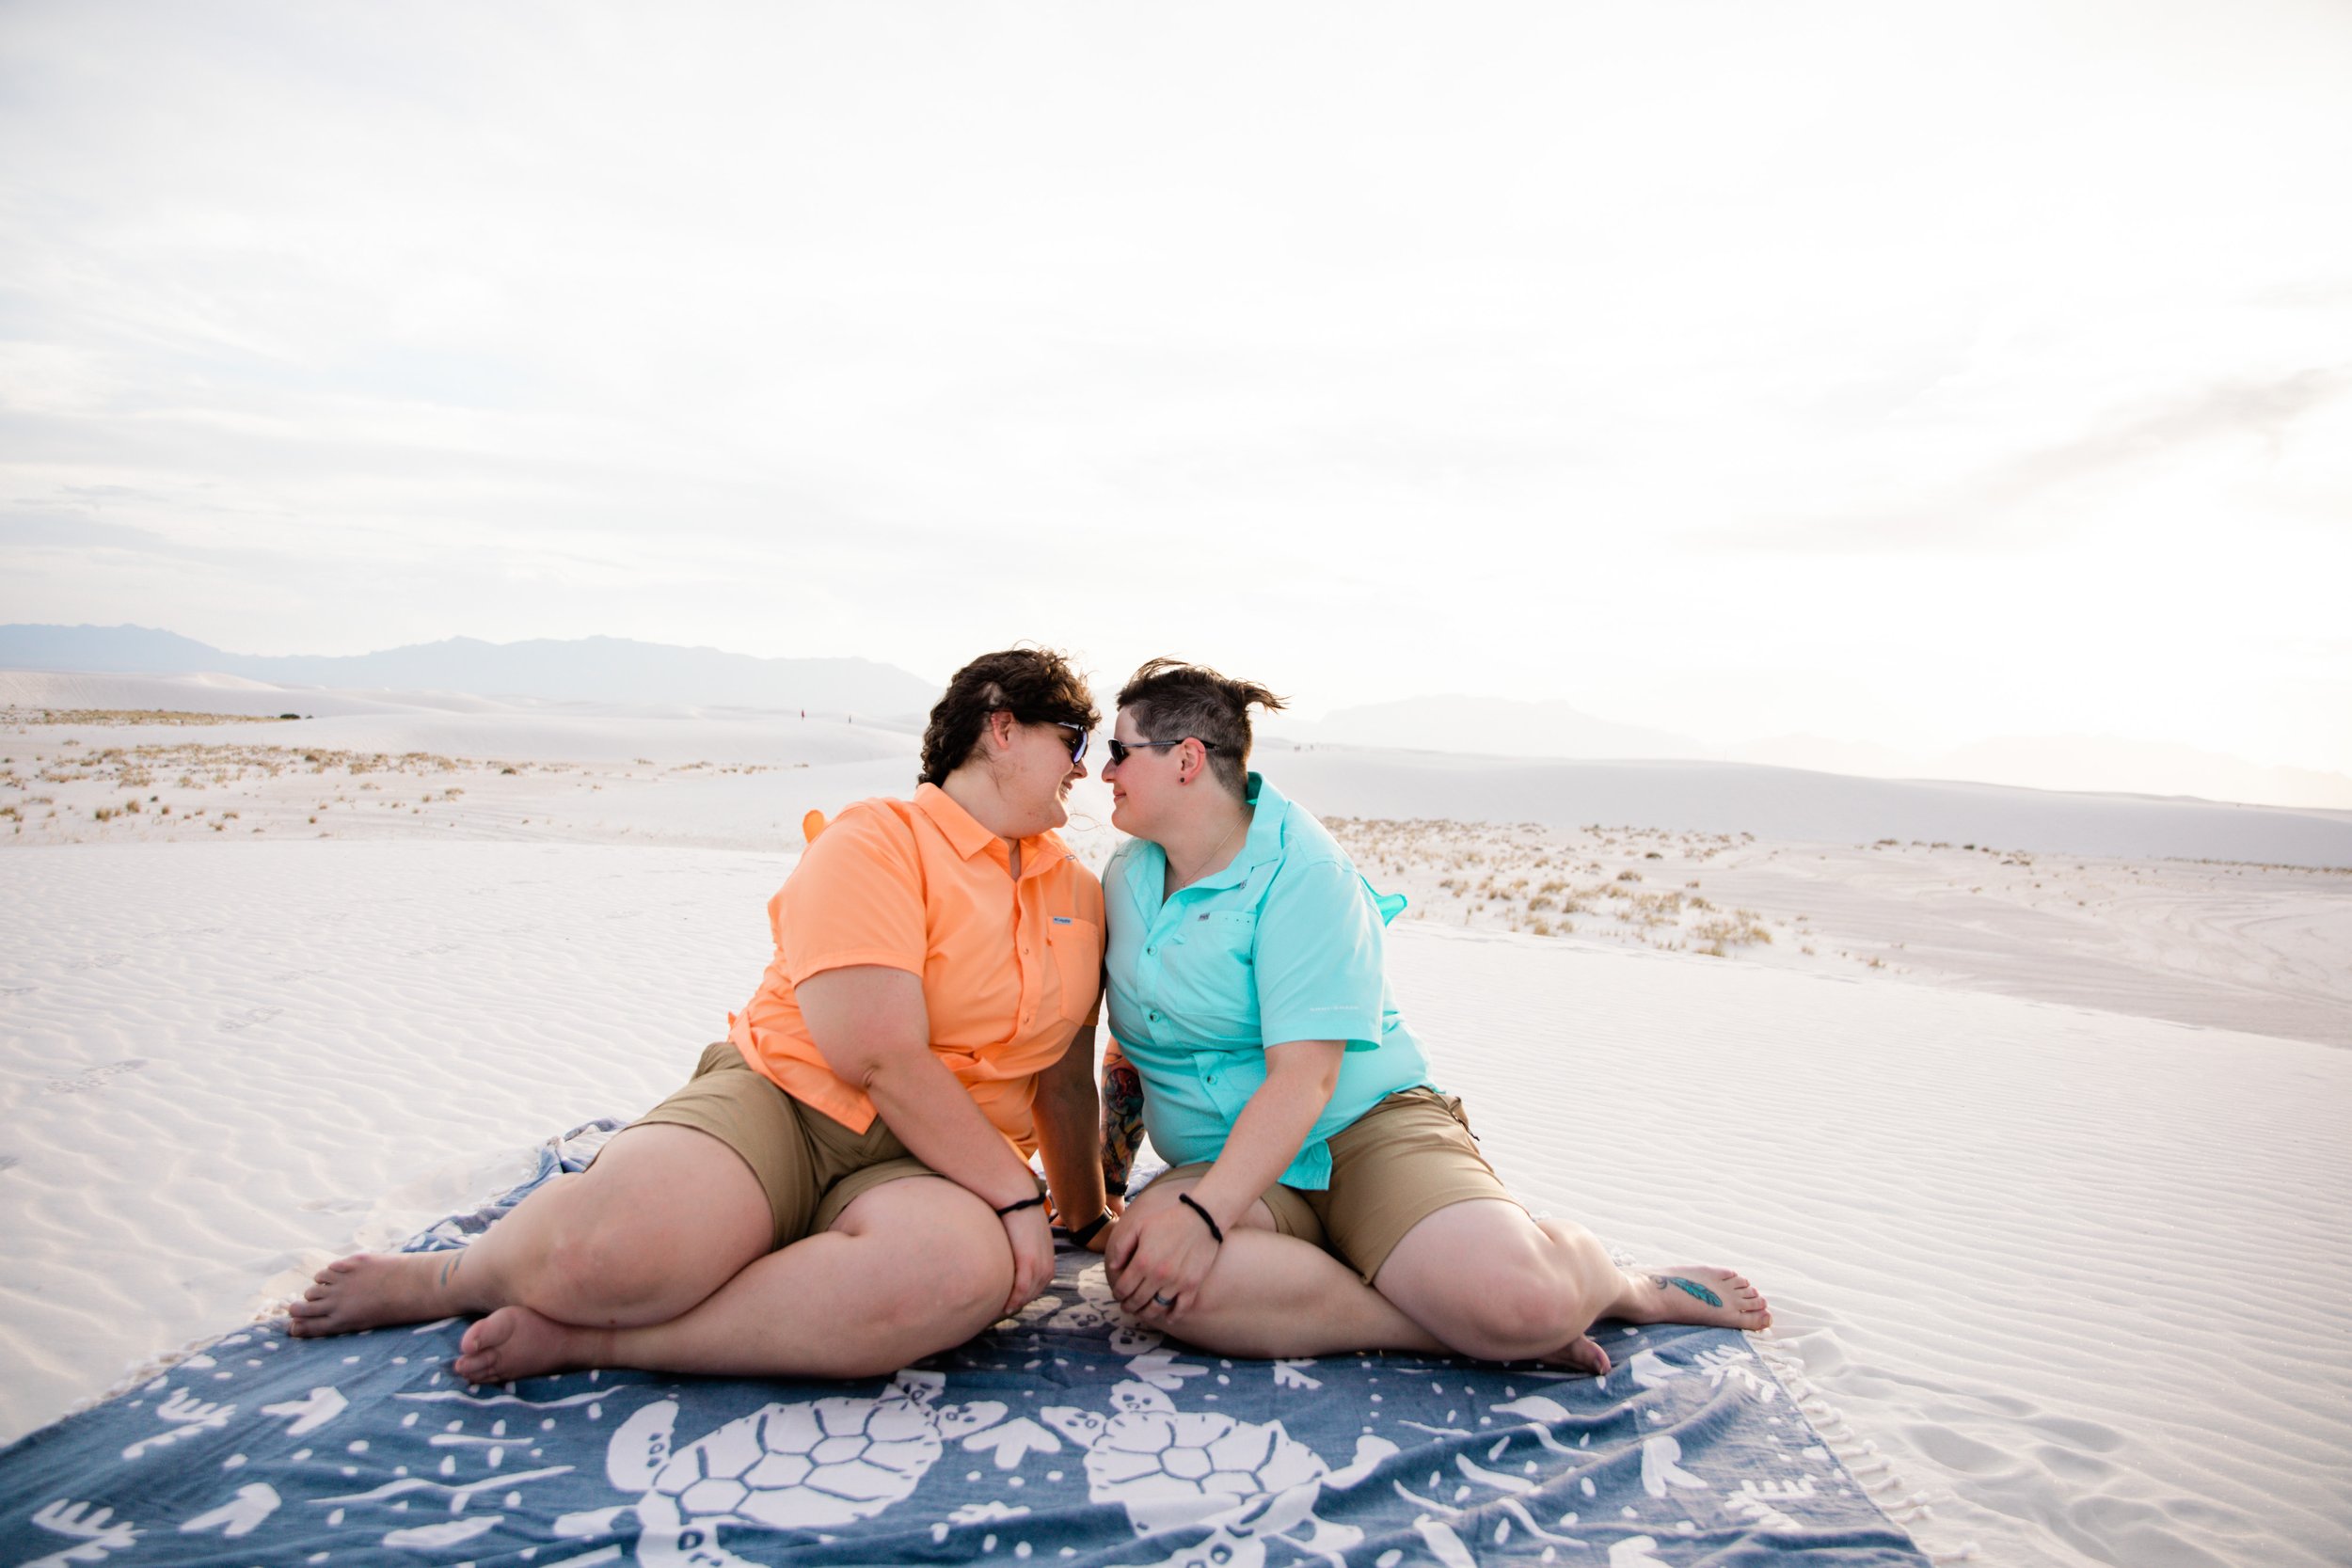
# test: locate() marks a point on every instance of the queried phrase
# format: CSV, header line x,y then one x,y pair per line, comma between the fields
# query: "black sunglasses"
x,y
1076,736
1121,748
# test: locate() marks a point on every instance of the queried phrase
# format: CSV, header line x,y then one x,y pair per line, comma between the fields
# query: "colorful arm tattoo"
x,y
1123,1118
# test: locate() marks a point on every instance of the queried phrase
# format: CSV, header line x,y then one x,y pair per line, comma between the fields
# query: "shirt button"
x,y
1155,1018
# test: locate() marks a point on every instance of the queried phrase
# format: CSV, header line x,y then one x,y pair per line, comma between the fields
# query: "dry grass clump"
x,y
1526,878
114,716
1739,928
86,779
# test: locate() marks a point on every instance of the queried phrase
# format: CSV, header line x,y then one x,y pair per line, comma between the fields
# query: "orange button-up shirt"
x,y
1009,970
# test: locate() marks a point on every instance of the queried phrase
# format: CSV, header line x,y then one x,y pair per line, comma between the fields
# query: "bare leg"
x,y
912,1268
665,1216
1487,1281
1493,1283
1271,1295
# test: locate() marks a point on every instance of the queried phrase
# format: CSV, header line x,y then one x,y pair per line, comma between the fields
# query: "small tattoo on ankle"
x,y
450,1268
1690,1287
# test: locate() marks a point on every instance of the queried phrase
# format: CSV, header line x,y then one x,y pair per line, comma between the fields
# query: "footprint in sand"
x,y
1954,1452
95,1078
9,1162
2089,1437
103,960
247,1019
18,990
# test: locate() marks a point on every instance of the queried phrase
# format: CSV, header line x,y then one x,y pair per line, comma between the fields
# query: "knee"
x,y
971,1268
591,1272
1516,1313
957,1290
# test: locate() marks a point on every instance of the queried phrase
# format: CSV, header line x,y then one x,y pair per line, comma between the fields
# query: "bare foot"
x,y
1716,1298
515,1343
1583,1355
370,1289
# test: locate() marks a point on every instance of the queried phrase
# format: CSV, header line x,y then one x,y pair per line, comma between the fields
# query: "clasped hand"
x,y
1156,1261
1032,1238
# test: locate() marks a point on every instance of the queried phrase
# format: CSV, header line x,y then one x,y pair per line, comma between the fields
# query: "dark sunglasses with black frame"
x,y
1076,739
1119,749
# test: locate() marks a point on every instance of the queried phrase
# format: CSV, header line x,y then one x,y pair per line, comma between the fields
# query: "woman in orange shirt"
x,y
935,960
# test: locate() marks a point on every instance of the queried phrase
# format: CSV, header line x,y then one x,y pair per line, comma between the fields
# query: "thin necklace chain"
x,y
1212,854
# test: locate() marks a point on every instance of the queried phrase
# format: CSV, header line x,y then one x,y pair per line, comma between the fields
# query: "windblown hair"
x,y
1036,685
1172,699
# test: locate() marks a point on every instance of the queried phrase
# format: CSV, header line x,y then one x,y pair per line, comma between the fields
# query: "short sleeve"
x,y
856,898
1318,957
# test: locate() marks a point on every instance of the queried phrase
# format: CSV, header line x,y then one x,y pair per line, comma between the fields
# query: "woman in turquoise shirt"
x,y
1323,1196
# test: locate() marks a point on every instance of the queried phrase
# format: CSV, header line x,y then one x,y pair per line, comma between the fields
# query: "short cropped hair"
x,y
1036,685
1172,699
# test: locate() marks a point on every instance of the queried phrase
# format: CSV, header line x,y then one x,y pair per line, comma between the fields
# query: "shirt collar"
x,y
967,838
1263,843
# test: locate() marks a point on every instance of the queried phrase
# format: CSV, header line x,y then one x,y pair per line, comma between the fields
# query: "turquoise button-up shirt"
x,y
1283,944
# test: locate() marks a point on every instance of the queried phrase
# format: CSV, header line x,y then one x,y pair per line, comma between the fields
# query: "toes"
x,y
1587,1356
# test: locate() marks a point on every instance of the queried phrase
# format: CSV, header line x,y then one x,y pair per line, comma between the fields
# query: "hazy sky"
x,y
1894,373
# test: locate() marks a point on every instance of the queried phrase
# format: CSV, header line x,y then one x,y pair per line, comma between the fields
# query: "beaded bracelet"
x,y
1206,1218
1036,1202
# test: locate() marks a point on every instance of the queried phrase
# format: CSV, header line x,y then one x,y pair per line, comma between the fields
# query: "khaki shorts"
x,y
809,1164
1393,1167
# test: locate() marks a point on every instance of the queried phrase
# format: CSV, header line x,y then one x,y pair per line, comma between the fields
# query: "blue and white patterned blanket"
x,y
1066,1437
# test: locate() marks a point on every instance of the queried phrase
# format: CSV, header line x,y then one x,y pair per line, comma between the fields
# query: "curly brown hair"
x,y
1172,699
1036,685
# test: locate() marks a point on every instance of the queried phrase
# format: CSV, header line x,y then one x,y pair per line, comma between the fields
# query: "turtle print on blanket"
x,y
815,1463
1067,1434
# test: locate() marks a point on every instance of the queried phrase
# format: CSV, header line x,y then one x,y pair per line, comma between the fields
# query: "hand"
x,y
1156,1261
1032,1238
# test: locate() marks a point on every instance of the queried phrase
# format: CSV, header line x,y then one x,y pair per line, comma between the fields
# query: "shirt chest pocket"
x,y
1076,946
1211,964
1221,936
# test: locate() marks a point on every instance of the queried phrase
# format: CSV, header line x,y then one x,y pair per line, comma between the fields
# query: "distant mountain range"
x,y
588,668
1495,726
616,670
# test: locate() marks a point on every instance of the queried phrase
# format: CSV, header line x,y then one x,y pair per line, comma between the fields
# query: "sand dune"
x,y
1791,803
2080,1275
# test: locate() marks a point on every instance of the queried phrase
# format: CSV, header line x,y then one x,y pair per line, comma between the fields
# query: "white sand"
x,y
2080,1275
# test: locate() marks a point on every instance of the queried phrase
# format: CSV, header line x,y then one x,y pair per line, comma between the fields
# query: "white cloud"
x,y
1509,348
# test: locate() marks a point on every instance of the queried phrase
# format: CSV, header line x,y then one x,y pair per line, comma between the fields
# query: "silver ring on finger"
x,y
1164,1301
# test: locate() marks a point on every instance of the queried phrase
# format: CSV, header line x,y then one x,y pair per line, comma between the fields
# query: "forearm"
x,y
935,1116
1066,1111
1122,1118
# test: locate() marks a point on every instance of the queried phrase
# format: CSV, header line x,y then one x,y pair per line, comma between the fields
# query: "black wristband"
x,y
1206,1218
1036,1202
1087,1231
